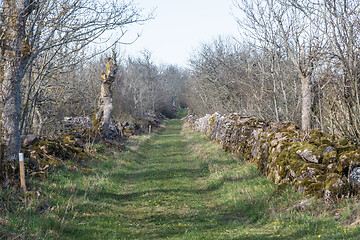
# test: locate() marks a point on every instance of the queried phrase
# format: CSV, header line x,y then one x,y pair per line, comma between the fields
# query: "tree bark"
x,y
102,116
13,45
306,103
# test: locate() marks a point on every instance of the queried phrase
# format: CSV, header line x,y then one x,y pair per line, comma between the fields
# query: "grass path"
x,y
165,195
176,185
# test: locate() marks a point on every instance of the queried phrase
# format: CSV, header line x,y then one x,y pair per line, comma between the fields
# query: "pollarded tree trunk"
x,y
306,93
102,116
13,46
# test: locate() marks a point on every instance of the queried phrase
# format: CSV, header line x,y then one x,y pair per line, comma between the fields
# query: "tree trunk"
x,y
13,45
102,116
306,103
38,121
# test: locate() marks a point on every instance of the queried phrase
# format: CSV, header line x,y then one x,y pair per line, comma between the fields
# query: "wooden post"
x,y
149,128
22,172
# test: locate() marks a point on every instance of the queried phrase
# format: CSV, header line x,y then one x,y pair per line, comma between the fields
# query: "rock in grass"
x,y
301,205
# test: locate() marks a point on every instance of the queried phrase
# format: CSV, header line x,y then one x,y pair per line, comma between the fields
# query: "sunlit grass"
x,y
174,185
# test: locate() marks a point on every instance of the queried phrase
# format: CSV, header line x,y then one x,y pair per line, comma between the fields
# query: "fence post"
x,y
22,172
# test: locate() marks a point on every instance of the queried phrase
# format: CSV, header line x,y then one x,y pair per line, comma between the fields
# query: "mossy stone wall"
x,y
315,162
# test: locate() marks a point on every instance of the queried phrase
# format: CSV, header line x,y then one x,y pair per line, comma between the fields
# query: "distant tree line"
x,y
140,87
147,88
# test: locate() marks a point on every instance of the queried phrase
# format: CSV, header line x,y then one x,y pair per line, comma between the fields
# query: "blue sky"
x,y
179,27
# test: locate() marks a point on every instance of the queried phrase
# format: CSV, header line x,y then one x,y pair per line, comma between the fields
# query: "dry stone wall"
x,y
316,163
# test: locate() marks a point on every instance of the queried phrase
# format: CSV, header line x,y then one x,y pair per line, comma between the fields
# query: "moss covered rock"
x,y
309,152
49,153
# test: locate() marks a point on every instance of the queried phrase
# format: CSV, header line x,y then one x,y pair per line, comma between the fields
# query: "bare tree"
x,y
275,23
341,27
102,116
13,49
337,22
62,35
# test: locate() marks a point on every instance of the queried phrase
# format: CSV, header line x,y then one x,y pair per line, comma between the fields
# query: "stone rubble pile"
x,y
76,142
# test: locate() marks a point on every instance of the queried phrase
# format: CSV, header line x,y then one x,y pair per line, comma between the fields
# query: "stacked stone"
x,y
316,163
